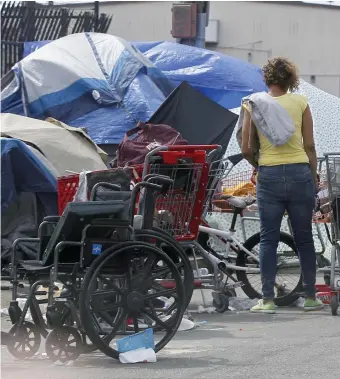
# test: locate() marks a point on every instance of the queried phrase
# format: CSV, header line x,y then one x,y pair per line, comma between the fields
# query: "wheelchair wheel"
x,y
288,275
63,344
175,251
121,285
24,341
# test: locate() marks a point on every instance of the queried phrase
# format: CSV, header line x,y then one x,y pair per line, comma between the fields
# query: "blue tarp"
x,y
22,171
30,47
222,78
113,86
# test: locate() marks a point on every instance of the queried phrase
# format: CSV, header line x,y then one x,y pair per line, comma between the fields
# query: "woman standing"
x,y
287,181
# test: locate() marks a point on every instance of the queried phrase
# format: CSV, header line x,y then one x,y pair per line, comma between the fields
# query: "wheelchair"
x,y
118,276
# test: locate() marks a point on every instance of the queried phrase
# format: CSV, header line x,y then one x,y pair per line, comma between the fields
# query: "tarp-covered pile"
x,y
103,83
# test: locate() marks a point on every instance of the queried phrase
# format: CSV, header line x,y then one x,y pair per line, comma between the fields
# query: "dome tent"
x,y
90,80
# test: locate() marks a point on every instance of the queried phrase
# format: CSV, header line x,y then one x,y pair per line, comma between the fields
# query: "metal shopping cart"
x,y
333,179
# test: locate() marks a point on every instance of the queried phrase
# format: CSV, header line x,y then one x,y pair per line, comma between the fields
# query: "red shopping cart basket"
x,y
67,188
179,210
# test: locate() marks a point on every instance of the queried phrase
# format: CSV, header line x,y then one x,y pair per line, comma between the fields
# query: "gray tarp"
x,y
68,149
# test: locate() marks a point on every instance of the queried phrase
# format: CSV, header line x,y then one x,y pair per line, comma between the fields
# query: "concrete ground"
x,y
290,344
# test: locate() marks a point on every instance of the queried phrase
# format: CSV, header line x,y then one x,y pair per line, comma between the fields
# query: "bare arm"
x,y
248,139
308,141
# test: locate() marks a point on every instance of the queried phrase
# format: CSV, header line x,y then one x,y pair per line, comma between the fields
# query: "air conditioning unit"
x,y
212,31
184,20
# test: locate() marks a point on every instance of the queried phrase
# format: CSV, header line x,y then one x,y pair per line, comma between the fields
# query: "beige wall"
x,y
307,34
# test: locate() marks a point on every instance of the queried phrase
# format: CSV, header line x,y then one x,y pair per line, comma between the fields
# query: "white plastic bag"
x,y
138,355
81,194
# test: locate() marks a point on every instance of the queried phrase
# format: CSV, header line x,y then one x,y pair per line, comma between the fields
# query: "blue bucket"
x,y
137,341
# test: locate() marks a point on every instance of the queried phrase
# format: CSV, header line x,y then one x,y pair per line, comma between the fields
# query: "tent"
x,y
92,80
33,154
68,149
28,192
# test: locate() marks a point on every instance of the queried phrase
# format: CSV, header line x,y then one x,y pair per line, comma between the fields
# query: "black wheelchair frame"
x,y
65,255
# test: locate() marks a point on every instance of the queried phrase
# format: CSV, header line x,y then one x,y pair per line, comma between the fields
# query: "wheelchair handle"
x,y
160,178
107,185
134,193
149,177
149,185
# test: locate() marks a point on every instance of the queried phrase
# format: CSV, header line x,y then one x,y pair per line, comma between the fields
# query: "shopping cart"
x,y
178,212
333,179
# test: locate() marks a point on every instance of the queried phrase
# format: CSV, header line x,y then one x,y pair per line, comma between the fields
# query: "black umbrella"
x,y
200,120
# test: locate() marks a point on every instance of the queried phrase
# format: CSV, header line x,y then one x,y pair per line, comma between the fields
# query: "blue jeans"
x,y
288,188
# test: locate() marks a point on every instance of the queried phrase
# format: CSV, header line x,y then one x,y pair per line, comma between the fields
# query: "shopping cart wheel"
x,y
230,292
335,305
25,340
220,302
63,344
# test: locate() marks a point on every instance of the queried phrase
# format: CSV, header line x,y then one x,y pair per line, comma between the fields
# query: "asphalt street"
x,y
238,345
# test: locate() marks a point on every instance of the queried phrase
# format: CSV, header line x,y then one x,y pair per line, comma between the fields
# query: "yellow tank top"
x,y
293,151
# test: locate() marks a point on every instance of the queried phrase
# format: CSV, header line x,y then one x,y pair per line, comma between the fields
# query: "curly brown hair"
x,y
282,72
